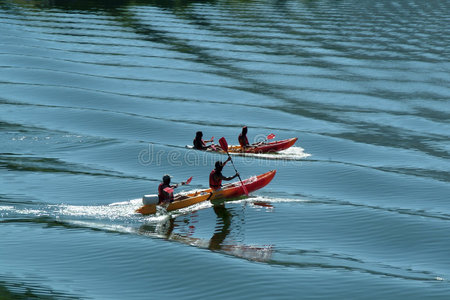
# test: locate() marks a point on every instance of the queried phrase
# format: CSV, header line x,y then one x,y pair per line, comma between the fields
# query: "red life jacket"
x,y
214,183
243,141
164,196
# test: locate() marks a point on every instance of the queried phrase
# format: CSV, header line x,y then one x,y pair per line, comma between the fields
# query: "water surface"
x,y
99,98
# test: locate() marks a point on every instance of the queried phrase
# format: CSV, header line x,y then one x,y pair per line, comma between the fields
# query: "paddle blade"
x,y
244,188
223,143
270,136
265,204
212,139
189,180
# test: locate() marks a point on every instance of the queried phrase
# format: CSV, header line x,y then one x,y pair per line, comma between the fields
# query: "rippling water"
x,y
99,98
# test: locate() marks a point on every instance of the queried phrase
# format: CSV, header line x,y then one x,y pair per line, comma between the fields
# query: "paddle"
x,y
212,143
223,143
269,137
170,190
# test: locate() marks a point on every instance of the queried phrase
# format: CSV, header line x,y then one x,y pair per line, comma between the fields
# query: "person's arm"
x,y
178,184
225,162
247,144
230,178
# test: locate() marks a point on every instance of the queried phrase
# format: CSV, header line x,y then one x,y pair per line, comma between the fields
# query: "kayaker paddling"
x,y
165,190
243,140
199,143
216,176
230,190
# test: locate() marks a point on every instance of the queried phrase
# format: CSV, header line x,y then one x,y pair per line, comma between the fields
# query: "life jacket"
x,y
243,141
163,195
215,183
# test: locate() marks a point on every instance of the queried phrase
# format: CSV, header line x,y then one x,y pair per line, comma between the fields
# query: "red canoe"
x,y
270,147
274,146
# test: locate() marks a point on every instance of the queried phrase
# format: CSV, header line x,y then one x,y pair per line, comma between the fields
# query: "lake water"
x,y
98,100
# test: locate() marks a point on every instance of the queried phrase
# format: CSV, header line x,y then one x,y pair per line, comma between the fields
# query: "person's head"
x,y
166,179
219,166
244,130
199,135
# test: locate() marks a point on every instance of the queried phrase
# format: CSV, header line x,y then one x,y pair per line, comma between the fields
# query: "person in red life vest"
x,y
243,140
199,143
216,176
165,190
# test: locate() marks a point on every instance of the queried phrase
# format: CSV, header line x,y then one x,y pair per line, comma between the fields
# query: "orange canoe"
x,y
230,190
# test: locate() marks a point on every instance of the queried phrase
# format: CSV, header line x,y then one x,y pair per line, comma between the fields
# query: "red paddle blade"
x,y
265,204
245,189
212,139
189,180
223,143
270,136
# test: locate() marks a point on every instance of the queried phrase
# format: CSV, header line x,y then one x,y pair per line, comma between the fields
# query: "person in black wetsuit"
x,y
199,143
243,140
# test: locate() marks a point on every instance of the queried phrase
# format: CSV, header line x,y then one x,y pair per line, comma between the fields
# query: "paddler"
x,y
199,143
216,176
243,140
165,190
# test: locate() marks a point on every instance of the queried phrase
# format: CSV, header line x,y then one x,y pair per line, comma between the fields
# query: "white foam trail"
x,y
123,210
252,199
6,208
156,218
292,153
129,202
276,200
102,226
198,206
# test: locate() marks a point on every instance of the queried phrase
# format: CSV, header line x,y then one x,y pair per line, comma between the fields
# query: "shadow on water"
x,y
217,242
106,5
16,289
180,9
172,228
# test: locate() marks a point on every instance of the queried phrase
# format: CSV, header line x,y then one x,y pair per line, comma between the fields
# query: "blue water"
x,y
98,100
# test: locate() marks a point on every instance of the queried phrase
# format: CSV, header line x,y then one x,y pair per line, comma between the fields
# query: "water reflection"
x,y
219,236
13,288
217,242
107,5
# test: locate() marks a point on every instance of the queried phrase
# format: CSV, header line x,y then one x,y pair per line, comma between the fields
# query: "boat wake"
x,y
118,217
117,211
293,153
182,226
